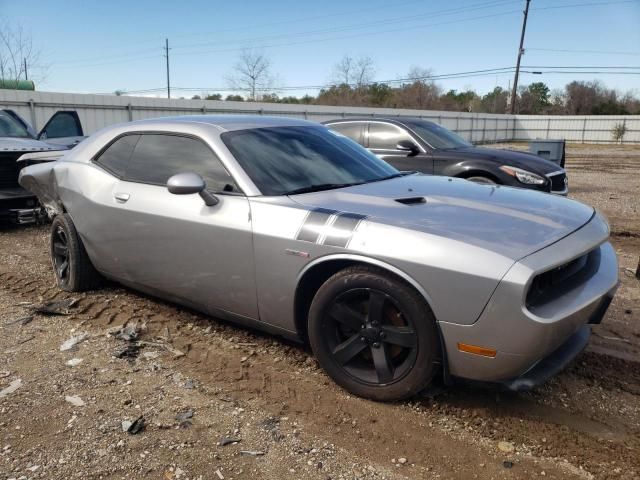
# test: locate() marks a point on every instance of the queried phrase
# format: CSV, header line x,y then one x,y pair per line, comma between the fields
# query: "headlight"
x,y
523,176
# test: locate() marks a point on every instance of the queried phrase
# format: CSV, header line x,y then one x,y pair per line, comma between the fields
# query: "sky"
x,y
103,46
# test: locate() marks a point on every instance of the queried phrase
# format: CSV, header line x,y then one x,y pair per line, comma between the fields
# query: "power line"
x,y
583,67
603,52
491,72
590,4
404,19
280,22
473,6
316,32
471,73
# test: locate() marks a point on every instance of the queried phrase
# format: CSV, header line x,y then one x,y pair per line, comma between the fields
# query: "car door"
x,y
64,129
353,130
175,246
443,160
382,139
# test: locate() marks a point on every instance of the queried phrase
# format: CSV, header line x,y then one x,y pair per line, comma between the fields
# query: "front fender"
x,y
40,179
352,257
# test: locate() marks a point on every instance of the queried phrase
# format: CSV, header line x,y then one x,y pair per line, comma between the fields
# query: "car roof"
x,y
394,120
228,122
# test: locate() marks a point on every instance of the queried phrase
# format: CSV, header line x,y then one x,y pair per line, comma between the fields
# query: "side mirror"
x,y
408,146
188,183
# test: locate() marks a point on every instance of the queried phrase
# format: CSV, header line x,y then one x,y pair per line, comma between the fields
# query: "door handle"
x,y
121,197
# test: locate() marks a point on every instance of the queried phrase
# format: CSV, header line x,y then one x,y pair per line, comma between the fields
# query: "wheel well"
x,y
313,279
309,285
478,173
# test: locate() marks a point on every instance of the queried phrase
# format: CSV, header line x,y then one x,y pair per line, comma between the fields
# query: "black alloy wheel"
x,y
370,337
72,267
60,254
374,334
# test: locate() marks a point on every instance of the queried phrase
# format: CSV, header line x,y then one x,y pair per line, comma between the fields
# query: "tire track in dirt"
x,y
355,422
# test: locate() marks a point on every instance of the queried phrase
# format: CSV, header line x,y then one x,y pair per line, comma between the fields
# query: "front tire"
x,y
373,334
71,265
482,180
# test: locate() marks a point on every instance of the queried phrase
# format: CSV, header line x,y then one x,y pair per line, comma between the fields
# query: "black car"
x,y
17,138
420,145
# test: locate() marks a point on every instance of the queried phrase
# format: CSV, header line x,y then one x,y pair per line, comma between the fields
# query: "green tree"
x,y
379,94
495,101
234,98
534,99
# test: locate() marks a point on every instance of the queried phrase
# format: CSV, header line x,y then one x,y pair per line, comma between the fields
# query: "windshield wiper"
x,y
320,187
395,175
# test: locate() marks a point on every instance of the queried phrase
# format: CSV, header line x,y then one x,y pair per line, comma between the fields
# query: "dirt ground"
x,y
199,384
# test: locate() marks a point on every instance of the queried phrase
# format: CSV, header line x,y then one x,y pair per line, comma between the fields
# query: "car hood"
x,y
8,144
510,221
524,160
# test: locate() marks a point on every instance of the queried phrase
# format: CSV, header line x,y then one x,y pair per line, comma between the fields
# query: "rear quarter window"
x,y
115,158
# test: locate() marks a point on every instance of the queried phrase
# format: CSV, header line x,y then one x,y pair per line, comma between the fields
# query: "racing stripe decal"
x,y
341,231
314,224
328,227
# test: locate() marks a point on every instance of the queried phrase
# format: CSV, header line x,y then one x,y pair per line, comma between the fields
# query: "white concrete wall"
x,y
97,111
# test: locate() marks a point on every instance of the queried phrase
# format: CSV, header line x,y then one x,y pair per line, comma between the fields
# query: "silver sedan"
x,y
281,224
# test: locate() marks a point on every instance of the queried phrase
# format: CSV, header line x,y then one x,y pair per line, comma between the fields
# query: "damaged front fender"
x,y
40,179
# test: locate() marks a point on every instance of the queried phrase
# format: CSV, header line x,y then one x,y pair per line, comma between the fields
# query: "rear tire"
x,y
374,334
73,270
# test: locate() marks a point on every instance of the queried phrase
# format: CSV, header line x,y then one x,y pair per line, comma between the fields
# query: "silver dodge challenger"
x,y
281,224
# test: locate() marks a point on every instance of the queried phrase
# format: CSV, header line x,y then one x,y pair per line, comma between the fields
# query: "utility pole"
x,y
26,77
520,53
166,55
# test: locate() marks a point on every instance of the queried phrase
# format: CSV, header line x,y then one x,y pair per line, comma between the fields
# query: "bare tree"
x,y
17,54
420,91
354,72
252,73
343,70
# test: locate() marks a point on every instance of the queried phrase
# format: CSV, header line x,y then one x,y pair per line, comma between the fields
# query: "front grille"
x,y
9,169
553,284
558,182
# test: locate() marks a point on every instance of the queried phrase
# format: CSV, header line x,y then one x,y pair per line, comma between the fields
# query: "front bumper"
x,y
553,364
522,335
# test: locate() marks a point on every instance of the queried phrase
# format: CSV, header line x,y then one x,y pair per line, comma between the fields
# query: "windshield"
x,y
10,127
281,160
438,137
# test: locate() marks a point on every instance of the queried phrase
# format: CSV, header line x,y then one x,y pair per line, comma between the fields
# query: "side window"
x,y
158,157
386,136
116,157
62,124
352,130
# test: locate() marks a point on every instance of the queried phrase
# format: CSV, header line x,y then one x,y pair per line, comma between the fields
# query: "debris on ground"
x,y
74,362
251,453
507,464
60,307
22,321
184,418
130,352
219,474
4,374
73,341
506,447
129,333
133,427
75,400
176,353
13,386
228,441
